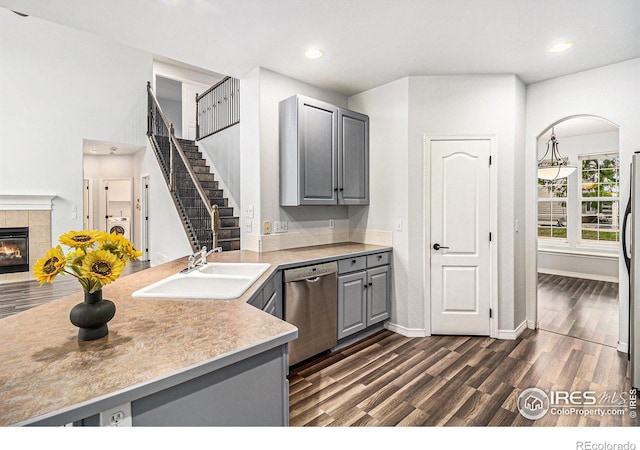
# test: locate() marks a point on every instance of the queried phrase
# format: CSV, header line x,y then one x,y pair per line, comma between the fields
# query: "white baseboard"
x,y
623,347
532,325
586,276
513,334
407,332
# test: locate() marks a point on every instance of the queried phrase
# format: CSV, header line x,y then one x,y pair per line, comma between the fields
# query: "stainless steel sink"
x,y
214,281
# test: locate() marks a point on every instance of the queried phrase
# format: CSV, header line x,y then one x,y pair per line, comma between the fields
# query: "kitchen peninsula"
x,y
178,362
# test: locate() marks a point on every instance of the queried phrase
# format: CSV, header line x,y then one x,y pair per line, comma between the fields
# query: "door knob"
x,y
438,246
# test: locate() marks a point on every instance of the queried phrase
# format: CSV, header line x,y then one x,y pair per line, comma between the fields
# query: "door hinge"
x,y
489,236
490,313
489,159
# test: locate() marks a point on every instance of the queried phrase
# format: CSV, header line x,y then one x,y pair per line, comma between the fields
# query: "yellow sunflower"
x,y
102,266
119,245
79,238
51,265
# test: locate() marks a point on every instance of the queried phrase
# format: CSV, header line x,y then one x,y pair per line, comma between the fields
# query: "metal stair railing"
x,y
181,179
218,108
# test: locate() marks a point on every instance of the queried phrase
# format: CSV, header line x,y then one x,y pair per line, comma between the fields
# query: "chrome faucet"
x,y
191,264
204,253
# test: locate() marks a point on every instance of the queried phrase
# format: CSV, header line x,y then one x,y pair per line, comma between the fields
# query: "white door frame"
x,y
88,208
144,213
493,219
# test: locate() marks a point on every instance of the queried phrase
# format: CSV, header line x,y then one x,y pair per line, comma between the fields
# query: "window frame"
x,y
583,243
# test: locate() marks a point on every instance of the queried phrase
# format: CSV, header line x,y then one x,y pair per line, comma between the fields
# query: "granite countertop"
x,y
44,369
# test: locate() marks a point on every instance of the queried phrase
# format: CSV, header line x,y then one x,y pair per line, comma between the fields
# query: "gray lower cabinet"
x,y
248,392
363,295
269,298
324,154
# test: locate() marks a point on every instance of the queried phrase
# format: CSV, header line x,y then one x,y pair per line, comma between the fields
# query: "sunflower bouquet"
x,y
95,258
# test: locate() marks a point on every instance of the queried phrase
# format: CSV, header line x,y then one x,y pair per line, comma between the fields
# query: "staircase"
x,y
195,219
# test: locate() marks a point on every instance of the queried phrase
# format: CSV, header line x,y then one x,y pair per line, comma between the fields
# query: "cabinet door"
x,y
352,303
318,152
353,158
378,294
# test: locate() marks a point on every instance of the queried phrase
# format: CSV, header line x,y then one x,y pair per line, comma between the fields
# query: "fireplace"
x,y
14,250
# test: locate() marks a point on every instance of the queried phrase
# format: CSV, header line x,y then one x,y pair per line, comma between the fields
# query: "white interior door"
x,y
189,110
460,239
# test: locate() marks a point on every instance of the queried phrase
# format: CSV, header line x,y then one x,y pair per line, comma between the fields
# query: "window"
x,y
599,196
552,209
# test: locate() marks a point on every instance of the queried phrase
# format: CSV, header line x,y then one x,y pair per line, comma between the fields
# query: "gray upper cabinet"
x,y
324,154
353,159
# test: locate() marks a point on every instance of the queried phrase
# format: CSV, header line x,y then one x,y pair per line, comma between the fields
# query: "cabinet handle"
x,y
341,189
370,284
379,257
366,285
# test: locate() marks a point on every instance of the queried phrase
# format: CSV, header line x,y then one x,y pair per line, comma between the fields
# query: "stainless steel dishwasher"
x,y
311,304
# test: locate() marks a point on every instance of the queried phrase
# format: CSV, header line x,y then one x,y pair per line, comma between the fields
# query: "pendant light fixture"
x,y
556,167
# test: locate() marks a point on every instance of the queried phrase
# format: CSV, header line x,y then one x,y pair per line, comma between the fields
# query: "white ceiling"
x,y
367,42
102,148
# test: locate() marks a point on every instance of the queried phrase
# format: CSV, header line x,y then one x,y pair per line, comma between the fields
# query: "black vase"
x,y
92,315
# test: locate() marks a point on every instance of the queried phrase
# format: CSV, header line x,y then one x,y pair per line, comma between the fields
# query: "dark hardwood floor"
x,y
391,380
585,309
22,295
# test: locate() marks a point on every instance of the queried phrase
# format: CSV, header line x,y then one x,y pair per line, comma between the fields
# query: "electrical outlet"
x,y
279,227
248,212
248,226
120,416
331,223
399,225
266,227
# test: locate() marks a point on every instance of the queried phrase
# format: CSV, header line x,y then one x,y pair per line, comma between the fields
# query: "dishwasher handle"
x,y
313,280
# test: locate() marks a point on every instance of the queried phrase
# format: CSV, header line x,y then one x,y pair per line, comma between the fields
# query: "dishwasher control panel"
x,y
317,270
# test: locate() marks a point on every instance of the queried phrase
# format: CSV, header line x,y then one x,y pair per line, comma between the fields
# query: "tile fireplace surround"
x,y
33,211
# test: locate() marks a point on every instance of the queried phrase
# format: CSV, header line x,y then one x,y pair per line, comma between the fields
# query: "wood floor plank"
x,y
429,382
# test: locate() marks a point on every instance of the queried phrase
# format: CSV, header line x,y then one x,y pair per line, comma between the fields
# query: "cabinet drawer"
x,y
352,264
379,259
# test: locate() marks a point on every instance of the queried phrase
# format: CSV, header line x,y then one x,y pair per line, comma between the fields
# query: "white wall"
x,y
388,110
262,90
60,86
167,238
222,152
402,114
611,92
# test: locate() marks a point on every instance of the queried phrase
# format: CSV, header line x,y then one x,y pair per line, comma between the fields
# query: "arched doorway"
x,y
578,231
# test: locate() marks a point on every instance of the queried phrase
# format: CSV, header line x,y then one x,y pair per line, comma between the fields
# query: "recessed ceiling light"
x,y
561,47
314,53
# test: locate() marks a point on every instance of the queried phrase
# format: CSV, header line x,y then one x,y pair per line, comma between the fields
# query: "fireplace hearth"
x,y
14,250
